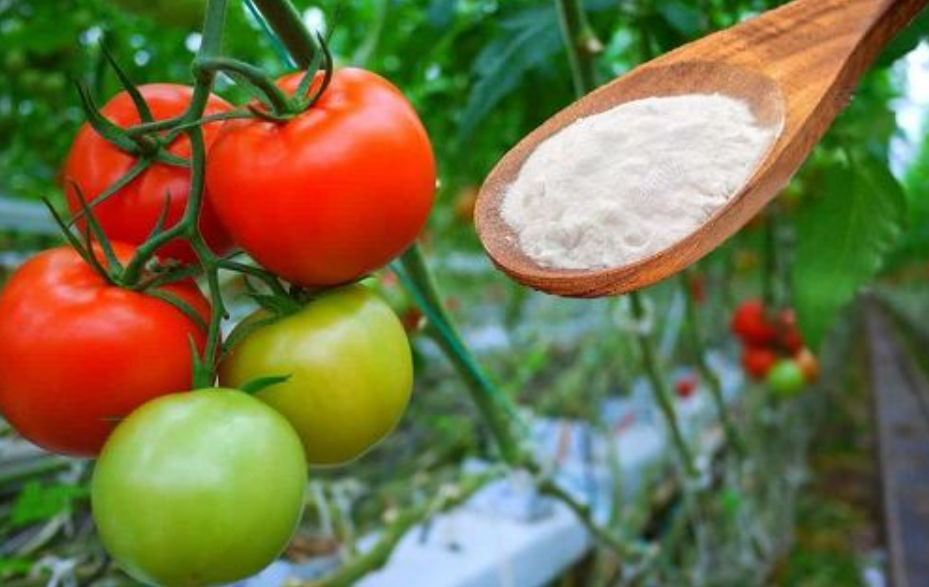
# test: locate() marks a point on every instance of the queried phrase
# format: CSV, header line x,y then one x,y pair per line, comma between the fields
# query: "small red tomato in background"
x,y
751,325
94,164
696,287
334,193
76,353
757,361
686,386
788,335
808,364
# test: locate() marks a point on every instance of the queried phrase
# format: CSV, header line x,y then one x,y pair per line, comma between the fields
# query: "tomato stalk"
x,y
713,383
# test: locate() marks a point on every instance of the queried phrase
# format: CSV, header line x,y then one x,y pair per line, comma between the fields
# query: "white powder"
x,y
616,187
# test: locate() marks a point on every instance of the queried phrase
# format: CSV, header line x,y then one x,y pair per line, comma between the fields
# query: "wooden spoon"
x,y
796,66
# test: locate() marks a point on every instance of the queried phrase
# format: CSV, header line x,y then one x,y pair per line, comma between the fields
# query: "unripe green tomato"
x,y
199,488
786,378
350,371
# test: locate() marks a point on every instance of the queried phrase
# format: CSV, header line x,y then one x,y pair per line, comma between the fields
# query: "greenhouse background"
x,y
549,441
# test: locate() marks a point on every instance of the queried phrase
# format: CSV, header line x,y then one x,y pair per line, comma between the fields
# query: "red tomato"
x,y
696,286
750,324
788,336
332,194
757,361
686,386
130,215
77,353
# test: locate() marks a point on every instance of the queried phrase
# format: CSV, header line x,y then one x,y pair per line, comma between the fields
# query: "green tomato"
x,y
786,378
199,488
349,365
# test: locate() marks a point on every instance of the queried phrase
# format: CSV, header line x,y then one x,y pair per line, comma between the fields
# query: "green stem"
x,y
581,42
707,374
770,265
279,101
659,387
494,406
286,22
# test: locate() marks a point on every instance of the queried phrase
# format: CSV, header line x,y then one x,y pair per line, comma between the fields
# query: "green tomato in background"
x,y
786,378
199,488
180,13
349,365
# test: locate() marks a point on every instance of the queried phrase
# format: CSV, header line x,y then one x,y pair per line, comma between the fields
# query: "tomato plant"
x,y
199,488
77,353
349,366
183,13
94,164
333,193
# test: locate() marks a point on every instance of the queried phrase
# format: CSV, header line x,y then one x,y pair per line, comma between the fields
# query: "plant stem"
x,y
494,406
287,24
659,387
707,374
581,42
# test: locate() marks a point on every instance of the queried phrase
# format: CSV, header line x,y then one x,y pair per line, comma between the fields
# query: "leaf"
x,y
14,566
261,383
39,503
685,19
525,41
842,239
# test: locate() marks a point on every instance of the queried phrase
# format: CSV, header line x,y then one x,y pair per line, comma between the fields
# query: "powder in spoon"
x,y
619,186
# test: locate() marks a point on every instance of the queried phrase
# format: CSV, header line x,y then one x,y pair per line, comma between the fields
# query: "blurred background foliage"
x,y
481,73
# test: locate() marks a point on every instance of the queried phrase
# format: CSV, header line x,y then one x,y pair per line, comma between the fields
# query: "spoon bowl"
x,y
794,66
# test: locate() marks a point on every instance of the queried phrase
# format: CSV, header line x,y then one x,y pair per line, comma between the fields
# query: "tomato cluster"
x,y
773,348
207,487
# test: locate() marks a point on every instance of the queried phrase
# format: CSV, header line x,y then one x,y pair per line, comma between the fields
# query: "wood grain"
x,y
796,66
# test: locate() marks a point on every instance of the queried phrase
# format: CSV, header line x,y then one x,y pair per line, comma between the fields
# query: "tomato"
x,y
808,364
350,371
786,378
750,324
77,353
757,361
788,335
332,194
201,488
686,386
131,214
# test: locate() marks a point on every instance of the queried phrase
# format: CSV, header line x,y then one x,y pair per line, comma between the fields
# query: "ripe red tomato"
x,y
750,324
757,361
332,194
788,336
130,215
686,386
77,353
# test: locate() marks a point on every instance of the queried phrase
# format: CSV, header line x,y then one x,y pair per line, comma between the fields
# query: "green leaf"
x,y
842,239
524,42
685,19
39,503
262,383
14,566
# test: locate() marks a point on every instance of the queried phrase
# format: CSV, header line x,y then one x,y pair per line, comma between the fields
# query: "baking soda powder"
x,y
619,186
